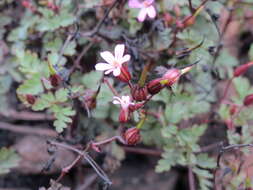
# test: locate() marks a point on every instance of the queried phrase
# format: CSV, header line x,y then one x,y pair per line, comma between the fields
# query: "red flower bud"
x,y
139,93
155,86
248,100
55,80
172,75
89,99
30,99
189,21
124,76
123,115
168,18
132,136
233,109
240,70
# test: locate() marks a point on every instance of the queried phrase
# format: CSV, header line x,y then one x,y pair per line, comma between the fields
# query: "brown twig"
x,y
100,23
84,155
26,115
28,130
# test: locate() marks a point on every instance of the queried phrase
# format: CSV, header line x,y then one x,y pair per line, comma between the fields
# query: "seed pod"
x,y
155,86
55,80
124,76
139,93
240,70
248,100
30,99
132,136
172,75
134,107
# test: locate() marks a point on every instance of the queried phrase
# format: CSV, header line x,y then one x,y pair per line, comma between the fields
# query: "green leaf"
x,y
8,159
63,117
31,86
205,162
61,95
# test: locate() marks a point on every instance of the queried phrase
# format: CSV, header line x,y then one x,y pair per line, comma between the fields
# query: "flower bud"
x,y
189,21
55,80
168,18
240,70
132,136
124,76
139,93
233,109
30,99
123,115
155,86
172,76
248,100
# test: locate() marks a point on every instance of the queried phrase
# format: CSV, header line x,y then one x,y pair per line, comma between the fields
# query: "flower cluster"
x,y
140,94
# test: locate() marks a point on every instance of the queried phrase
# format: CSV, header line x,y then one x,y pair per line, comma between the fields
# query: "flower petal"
x,y
116,100
109,71
124,59
116,71
134,4
103,66
108,57
142,15
151,11
119,51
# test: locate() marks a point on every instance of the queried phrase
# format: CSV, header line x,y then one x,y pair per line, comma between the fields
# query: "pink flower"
x,y
146,8
125,103
114,62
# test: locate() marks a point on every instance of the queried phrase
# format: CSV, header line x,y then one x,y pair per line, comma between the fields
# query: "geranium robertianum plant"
x,y
139,72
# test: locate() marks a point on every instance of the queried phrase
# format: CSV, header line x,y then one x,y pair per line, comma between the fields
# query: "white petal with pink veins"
x,y
119,51
134,4
151,11
142,15
109,71
108,57
103,66
124,59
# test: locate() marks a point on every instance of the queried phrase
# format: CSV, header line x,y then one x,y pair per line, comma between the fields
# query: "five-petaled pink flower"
x,y
146,8
114,62
125,103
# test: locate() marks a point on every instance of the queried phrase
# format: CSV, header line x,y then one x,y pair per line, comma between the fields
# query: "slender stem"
x,y
111,87
191,179
190,6
85,155
226,89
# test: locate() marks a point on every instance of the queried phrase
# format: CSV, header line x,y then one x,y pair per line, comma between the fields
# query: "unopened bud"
x,y
172,76
139,93
132,136
30,99
124,76
248,100
189,21
155,86
233,109
240,70
55,80
168,18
